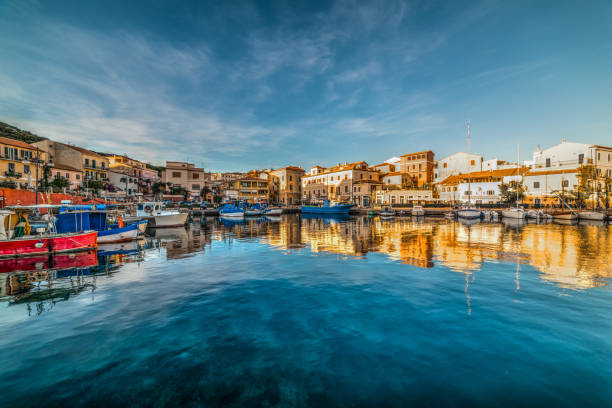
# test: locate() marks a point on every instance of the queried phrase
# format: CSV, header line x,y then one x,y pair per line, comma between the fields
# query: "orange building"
x,y
419,166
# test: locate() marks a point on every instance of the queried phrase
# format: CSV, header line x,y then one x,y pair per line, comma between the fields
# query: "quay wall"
x,y
9,196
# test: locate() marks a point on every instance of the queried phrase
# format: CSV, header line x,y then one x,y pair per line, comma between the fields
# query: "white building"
x,y
566,154
458,163
390,197
481,187
543,186
124,183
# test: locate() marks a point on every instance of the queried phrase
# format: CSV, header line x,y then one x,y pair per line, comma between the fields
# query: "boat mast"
x,y
469,166
518,161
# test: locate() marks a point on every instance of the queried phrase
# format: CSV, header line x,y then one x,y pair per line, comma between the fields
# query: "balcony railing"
x,y
12,174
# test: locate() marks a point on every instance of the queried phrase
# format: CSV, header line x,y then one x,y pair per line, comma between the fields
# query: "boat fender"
x,y
39,244
120,222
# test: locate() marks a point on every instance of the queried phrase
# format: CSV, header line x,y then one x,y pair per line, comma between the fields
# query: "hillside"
x,y
12,132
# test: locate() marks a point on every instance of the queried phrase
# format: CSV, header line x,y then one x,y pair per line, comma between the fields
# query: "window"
x,y
57,175
548,162
11,168
196,175
565,183
598,156
580,158
78,176
195,187
26,169
67,175
290,178
86,161
445,164
176,174
102,164
472,162
536,184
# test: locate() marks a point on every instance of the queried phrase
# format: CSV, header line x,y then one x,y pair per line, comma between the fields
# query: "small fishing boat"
x,y
231,210
387,212
417,211
157,216
490,215
469,212
273,211
95,217
253,210
532,214
565,215
517,213
327,208
18,239
118,234
591,215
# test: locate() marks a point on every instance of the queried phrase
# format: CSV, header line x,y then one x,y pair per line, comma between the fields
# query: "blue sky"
x,y
240,85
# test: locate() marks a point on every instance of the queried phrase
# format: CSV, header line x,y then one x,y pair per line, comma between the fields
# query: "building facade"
x,y
336,183
18,163
419,166
186,175
402,196
72,175
286,185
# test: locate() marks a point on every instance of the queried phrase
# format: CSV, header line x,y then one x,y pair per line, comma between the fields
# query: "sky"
x,y
231,85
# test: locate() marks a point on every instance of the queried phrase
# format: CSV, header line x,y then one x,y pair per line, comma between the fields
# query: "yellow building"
x,y
253,188
18,163
94,166
286,185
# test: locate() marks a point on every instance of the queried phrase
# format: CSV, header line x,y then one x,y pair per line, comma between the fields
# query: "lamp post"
x,y
36,178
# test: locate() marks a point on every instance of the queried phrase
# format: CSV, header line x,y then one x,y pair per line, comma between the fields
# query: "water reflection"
x,y
569,256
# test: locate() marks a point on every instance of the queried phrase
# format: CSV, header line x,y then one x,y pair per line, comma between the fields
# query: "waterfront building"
x,y
94,166
17,163
457,163
482,187
73,175
363,191
336,183
544,186
419,166
391,196
185,175
396,178
286,185
254,187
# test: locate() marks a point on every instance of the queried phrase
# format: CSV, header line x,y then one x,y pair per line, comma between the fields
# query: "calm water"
x,y
314,312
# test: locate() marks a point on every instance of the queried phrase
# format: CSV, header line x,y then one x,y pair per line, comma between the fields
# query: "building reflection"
x,y
179,242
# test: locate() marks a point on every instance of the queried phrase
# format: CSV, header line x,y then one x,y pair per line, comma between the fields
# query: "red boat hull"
x,y
42,262
38,246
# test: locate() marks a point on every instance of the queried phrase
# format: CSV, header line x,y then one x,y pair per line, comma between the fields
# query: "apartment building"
x,y
17,162
252,188
286,185
336,183
481,187
186,175
93,166
73,175
419,166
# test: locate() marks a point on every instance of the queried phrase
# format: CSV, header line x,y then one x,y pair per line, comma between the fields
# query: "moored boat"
x,y
327,208
387,212
231,210
16,239
565,215
469,212
591,215
118,234
158,216
517,213
273,211
417,211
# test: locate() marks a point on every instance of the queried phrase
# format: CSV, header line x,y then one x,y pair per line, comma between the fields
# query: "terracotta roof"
x,y
84,151
458,178
64,167
548,172
342,167
602,147
16,143
294,168
367,182
410,154
394,173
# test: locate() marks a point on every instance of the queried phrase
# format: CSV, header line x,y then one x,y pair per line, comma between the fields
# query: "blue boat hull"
x,y
334,209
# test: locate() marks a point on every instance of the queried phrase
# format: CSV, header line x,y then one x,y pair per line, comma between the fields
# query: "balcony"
x,y
12,174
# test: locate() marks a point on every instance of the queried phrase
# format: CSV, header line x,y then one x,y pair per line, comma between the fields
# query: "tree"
x,y
512,192
46,174
179,190
60,182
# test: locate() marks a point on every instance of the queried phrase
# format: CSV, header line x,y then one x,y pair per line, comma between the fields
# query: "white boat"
x,y
387,212
127,233
591,215
566,216
252,212
273,211
159,217
417,211
469,213
533,214
490,215
516,213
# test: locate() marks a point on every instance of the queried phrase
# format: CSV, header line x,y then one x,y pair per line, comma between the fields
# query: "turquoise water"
x,y
318,312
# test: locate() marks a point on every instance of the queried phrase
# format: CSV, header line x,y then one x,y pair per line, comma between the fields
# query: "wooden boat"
x,y
591,215
16,240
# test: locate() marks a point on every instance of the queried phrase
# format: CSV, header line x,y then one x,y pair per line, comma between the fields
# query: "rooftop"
x,y
16,143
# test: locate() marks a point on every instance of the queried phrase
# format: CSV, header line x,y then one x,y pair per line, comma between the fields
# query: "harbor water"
x,y
324,312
